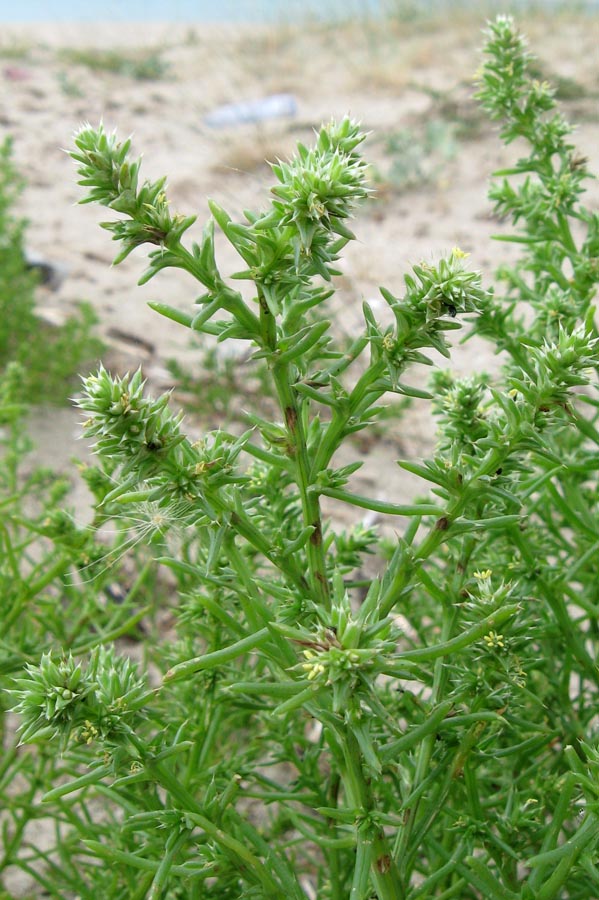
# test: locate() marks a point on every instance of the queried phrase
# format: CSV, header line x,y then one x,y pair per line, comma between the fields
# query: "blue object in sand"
x,y
273,107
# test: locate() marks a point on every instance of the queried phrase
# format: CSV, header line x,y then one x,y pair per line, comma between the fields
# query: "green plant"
x,y
223,385
58,589
49,357
15,48
463,120
433,732
69,86
419,155
146,66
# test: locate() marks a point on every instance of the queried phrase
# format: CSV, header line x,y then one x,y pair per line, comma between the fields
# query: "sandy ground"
x,y
392,78
401,76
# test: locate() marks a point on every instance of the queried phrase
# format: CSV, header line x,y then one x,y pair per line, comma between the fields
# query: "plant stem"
x,y
426,747
333,434
186,802
383,871
232,301
256,539
292,410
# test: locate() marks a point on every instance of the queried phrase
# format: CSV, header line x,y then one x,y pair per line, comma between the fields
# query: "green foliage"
x,y
15,48
69,86
63,586
222,386
419,155
426,733
147,66
49,357
58,697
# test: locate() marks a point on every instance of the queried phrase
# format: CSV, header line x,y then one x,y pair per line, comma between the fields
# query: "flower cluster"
x,y
553,370
445,289
435,295
460,404
320,186
130,427
302,233
113,181
59,697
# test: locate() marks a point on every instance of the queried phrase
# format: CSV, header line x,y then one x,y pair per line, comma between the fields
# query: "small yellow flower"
x,y
88,733
483,576
388,343
494,640
124,402
312,667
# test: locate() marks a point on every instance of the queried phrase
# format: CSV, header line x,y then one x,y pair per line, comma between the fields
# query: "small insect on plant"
x,y
429,731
